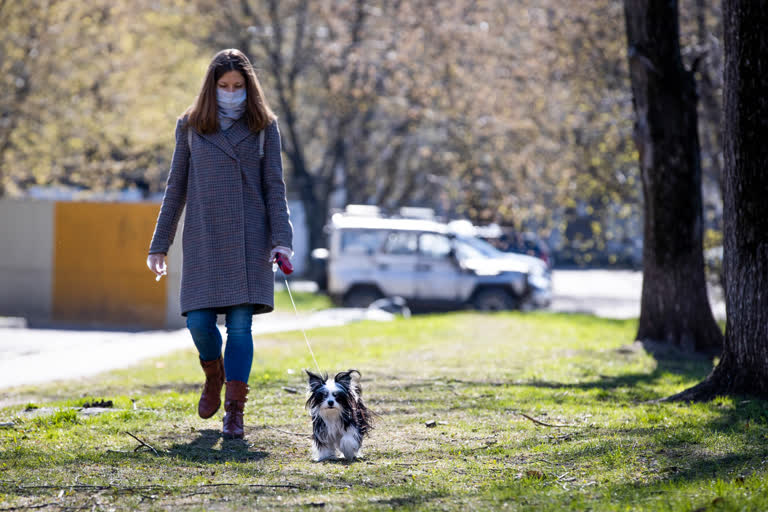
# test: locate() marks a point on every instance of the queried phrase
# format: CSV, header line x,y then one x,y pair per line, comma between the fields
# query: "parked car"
x,y
429,265
524,243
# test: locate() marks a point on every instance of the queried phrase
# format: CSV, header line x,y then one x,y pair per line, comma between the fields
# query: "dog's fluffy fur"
x,y
340,419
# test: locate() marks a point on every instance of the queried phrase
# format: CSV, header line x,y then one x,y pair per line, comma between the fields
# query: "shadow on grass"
x,y
177,387
729,446
409,500
690,367
684,467
203,449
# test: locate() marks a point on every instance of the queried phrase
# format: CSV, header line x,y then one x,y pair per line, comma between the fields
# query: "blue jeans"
x,y
238,355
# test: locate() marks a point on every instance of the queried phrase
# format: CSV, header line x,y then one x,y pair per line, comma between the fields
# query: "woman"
x,y
227,168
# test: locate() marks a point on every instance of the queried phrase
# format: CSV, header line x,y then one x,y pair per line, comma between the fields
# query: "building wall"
x,y
83,264
26,258
99,266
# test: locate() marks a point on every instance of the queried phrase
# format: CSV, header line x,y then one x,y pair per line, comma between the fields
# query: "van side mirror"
x,y
320,253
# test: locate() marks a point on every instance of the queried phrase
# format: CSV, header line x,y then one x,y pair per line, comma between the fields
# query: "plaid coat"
x,y
236,212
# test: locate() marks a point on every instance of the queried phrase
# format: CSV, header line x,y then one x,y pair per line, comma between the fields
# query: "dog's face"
x,y
330,396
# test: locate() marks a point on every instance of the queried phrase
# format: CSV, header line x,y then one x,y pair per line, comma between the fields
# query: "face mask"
x,y
228,99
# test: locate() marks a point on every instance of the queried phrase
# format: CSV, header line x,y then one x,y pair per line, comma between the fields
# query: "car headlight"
x,y
537,277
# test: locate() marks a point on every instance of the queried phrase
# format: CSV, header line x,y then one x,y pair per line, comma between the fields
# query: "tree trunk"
x,y
743,368
675,309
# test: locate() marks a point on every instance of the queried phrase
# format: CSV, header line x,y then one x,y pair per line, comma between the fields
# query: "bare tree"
x,y
743,367
323,61
674,307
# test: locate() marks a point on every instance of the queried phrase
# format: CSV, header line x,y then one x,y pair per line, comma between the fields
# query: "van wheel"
x,y
361,297
493,299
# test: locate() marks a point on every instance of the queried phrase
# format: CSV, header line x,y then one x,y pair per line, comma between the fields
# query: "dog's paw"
x,y
323,455
350,446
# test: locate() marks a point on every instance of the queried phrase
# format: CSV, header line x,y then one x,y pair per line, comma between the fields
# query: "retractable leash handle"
x,y
284,264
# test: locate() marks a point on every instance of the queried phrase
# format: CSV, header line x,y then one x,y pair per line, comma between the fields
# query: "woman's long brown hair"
x,y
203,113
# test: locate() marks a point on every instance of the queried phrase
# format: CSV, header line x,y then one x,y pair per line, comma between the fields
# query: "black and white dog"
x,y
340,419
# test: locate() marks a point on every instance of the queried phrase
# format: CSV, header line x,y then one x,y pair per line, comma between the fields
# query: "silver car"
x,y
429,265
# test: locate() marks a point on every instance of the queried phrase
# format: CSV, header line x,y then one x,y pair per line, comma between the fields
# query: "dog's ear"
x,y
348,378
315,380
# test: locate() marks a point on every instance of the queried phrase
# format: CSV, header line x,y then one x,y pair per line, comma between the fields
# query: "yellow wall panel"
x,y
100,276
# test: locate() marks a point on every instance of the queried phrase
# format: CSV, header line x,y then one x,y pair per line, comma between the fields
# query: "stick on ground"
x,y
142,442
537,422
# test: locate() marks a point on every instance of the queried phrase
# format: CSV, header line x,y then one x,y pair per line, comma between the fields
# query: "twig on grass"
x,y
480,383
415,463
42,505
64,487
287,486
142,442
86,487
453,390
537,422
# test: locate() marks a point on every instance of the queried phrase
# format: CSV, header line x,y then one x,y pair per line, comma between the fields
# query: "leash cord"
x,y
302,329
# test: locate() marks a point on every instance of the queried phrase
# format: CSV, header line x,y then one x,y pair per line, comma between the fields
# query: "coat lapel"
x,y
220,140
227,140
238,131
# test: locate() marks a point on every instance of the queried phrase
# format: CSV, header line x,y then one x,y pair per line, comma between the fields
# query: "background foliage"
x,y
512,112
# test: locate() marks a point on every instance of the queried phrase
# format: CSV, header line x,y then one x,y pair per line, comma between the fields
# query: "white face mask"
x,y
228,99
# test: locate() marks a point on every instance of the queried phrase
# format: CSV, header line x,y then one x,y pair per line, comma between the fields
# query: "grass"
x,y
305,302
473,374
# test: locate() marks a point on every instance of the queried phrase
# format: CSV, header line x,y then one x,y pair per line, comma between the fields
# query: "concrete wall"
x,y
26,258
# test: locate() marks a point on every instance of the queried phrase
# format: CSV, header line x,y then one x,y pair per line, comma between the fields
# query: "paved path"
x,y
31,356
608,293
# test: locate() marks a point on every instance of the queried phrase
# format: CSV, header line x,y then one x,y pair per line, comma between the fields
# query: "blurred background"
x,y
513,115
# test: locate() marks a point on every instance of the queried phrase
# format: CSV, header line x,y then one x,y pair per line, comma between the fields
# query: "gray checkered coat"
x,y
236,213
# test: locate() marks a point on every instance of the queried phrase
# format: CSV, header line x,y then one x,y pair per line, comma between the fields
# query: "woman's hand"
x,y
156,263
281,256
285,251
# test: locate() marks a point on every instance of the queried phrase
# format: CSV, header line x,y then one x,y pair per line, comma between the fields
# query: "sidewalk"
x,y
609,293
32,356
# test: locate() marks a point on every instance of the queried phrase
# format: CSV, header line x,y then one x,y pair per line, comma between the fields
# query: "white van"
x,y
427,264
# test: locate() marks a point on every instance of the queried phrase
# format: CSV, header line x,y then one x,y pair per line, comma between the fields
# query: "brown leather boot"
x,y
234,403
210,399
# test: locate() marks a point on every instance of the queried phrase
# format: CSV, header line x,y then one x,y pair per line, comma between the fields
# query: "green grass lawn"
x,y
305,302
473,374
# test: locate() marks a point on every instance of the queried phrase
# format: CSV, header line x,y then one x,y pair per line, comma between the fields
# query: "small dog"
x,y
340,419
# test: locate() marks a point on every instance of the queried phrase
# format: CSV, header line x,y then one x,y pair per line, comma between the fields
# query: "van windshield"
x,y
470,247
362,241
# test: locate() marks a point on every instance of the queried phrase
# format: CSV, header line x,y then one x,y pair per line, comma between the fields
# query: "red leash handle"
x,y
284,264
